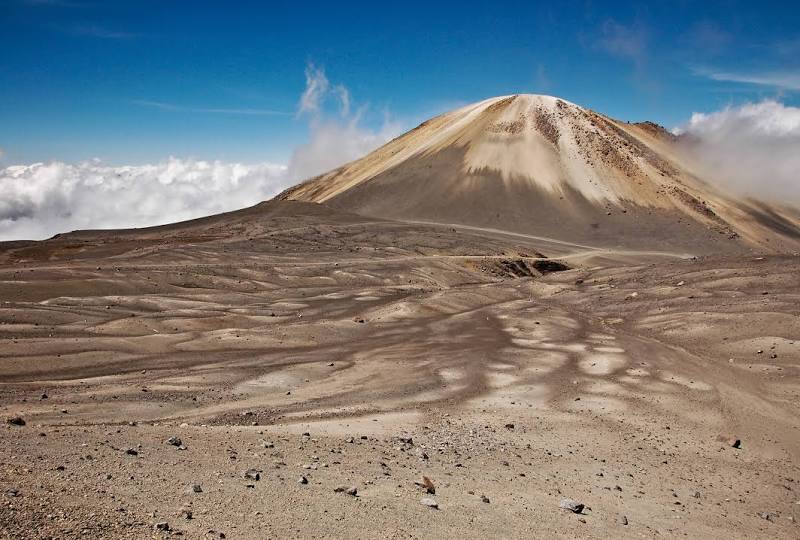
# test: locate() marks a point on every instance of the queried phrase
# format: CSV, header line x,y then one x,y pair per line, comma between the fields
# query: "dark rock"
x,y
350,490
572,506
16,421
252,474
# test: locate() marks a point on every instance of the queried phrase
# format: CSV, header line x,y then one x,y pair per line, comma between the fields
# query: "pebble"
x,y
572,506
252,474
16,421
302,480
132,452
430,503
174,441
350,490
196,488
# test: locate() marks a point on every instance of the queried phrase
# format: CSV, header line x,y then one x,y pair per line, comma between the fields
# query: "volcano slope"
x,y
312,348
541,165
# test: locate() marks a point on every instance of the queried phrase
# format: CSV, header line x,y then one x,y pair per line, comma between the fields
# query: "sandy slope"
x,y
610,383
542,165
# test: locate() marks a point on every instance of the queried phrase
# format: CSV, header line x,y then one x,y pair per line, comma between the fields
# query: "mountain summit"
x,y
541,165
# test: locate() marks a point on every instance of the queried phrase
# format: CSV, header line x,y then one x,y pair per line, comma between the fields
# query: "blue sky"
x,y
136,81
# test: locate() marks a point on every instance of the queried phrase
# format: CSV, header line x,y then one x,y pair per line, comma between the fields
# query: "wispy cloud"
x,y
317,87
334,139
782,80
57,3
208,110
707,38
624,41
96,31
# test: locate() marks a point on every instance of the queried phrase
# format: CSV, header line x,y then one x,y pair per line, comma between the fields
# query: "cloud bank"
x,y
41,199
753,149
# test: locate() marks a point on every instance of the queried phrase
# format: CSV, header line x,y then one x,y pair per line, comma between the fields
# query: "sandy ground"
x,y
348,352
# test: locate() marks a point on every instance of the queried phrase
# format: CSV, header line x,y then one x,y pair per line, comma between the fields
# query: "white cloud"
x,y
161,105
42,199
785,80
317,87
753,149
335,139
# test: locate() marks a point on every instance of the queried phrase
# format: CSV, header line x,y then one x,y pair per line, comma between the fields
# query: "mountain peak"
x,y
543,165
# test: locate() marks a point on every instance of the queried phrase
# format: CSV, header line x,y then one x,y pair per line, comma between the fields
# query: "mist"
x,y
751,150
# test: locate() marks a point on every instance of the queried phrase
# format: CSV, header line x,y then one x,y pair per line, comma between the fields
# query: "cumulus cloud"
x,y
753,149
41,199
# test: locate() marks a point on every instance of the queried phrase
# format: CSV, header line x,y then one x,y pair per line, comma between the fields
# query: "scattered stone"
x,y
174,441
623,520
252,474
16,421
509,426
769,516
12,493
162,526
302,480
430,503
132,452
196,488
186,513
350,490
572,506
426,484
485,499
